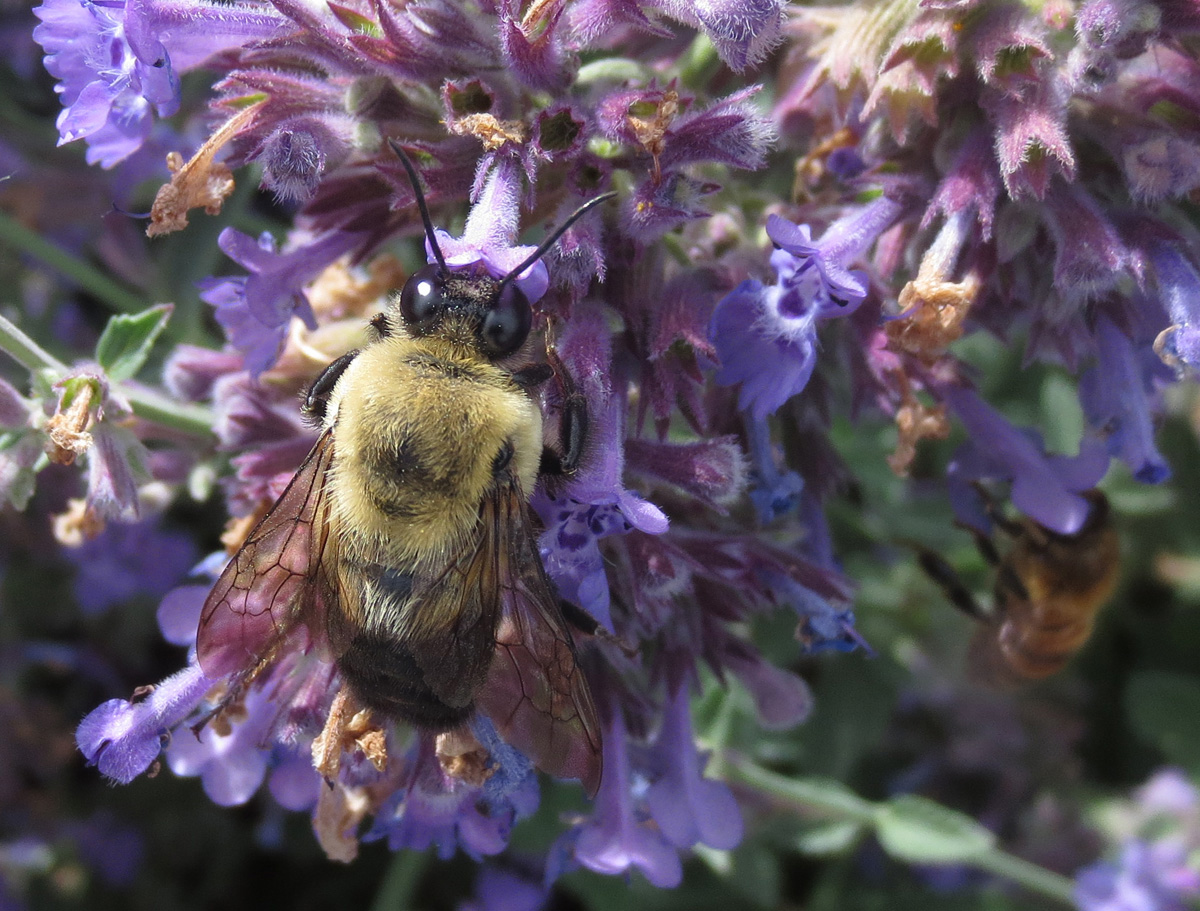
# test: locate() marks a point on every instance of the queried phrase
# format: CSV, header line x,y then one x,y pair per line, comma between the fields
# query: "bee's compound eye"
x,y
421,299
506,325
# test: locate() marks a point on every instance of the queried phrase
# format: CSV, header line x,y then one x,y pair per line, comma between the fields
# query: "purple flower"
x,y
1178,286
616,838
743,31
1169,793
596,503
500,889
117,62
1031,138
1090,257
122,738
294,159
533,47
108,89
1045,488
116,463
255,310
689,808
233,764
971,184
730,131
512,776
191,371
293,781
781,699
1161,166
766,335
1146,877
823,627
178,613
126,560
491,230
775,493
436,810
1117,399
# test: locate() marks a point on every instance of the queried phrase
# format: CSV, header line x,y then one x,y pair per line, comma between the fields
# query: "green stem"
x,y
836,802
25,351
1029,875
805,795
148,404
90,279
719,734
151,405
400,881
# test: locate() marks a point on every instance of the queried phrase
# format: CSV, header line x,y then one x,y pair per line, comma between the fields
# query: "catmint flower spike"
x,y
558,232
421,206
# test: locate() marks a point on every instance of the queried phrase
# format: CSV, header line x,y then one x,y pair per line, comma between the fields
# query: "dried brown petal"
x,y
463,757
493,133
201,182
67,430
340,810
77,524
933,315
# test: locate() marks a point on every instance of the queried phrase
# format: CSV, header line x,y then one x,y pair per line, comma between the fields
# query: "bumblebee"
x,y
1048,591
403,547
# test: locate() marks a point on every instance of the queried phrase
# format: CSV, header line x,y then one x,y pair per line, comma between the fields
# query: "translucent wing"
x,y
275,585
536,694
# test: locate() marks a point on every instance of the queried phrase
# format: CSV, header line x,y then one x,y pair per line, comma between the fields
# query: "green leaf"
x,y
1163,709
829,839
127,340
917,830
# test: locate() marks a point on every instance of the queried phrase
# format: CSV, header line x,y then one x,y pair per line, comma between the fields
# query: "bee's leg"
x,y
985,545
950,582
572,428
1007,580
532,376
589,625
381,326
316,400
995,511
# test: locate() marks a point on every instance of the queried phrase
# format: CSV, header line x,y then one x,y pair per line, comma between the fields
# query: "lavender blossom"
x,y
765,335
1143,877
742,32
123,738
126,560
1117,398
255,310
951,178
687,807
617,837
119,63
1160,831
1046,488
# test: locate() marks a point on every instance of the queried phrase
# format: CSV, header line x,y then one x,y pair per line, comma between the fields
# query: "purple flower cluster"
x,y
1157,866
960,167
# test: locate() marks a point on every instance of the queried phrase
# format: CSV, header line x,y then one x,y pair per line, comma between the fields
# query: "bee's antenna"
x,y
558,232
422,207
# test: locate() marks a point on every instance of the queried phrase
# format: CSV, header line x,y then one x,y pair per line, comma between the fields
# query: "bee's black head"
x,y
498,310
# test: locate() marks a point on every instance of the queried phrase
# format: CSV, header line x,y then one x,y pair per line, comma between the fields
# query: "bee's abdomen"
x,y
386,678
